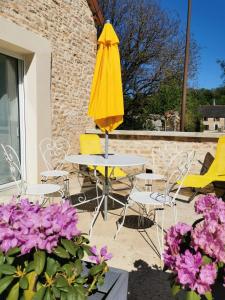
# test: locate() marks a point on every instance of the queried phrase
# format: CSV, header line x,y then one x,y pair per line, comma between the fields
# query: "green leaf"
x,y
61,282
76,293
96,269
39,261
30,267
7,269
10,260
208,296
39,294
101,280
206,259
63,296
78,267
68,269
81,280
69,246
80,253
14,292
56,292
175,289
48,294
2,258
61,252
13,251
87,249
5,282
192,295
52,266
24,283
29,293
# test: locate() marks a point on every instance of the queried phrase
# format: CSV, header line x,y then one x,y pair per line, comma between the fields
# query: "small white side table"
x,y
148,178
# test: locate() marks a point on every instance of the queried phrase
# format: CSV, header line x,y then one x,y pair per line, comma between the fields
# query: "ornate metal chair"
x,y
53,153
23,188
158,200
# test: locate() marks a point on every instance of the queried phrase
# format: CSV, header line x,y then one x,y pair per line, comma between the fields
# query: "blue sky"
x,y
208,28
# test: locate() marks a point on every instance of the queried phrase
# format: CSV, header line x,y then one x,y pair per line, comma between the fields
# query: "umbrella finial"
x,y
107,21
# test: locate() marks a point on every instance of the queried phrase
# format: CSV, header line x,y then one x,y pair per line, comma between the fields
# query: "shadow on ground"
x,y
90,194
148,283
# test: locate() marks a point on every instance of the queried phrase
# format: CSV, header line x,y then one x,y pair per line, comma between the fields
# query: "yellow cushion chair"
x,y
216,171
90,144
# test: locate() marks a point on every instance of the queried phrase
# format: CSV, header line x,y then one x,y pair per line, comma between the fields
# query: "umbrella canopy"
x,y
106,101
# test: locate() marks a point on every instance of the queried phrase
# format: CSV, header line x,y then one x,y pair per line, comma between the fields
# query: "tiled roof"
x,y
212,111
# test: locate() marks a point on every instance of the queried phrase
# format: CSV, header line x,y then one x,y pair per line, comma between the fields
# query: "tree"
x,y
151,45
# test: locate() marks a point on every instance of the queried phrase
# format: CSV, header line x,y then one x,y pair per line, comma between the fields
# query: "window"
x,y
10,68
206,127
217,119
205,119
216,127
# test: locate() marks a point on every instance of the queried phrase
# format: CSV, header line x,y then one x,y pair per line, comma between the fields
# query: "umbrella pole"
x,y
106,175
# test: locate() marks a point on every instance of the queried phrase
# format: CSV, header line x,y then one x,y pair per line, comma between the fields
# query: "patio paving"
x,y
134,250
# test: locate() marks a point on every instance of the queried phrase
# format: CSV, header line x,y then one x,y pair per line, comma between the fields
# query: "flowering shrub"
x,y
41,251
196,254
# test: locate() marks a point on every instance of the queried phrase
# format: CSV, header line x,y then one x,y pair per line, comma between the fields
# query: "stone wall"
x,y
169,144
69,26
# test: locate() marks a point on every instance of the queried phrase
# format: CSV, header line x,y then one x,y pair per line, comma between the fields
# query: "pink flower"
x,y
99,257
208,274
28,225
201,287
184,247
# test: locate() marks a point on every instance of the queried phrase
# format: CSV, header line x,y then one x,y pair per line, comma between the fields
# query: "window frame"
x,y
21,100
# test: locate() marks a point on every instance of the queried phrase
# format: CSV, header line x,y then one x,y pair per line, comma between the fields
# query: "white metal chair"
x,y
23,188
158,200
53,153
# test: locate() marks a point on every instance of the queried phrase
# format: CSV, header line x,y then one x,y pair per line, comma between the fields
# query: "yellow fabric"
x,y
90,144
216,171
106,101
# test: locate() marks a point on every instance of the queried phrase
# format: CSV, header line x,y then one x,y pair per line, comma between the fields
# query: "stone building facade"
x,y
56,39
213,117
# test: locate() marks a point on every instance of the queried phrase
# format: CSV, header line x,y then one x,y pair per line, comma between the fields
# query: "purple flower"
x,y
28,225
99,257
183,253
208,274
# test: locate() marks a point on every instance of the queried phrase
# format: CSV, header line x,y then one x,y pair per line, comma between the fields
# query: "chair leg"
x,y
96,189
95,216
160,240
122,223
175,213
162,229
66,186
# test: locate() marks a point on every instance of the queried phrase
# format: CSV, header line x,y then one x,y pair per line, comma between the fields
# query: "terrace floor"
x,y
134,250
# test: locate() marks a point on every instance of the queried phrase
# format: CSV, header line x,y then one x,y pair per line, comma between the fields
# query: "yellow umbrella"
x,y
106,101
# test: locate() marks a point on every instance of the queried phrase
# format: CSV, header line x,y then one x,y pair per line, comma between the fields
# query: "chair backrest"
x,y
13,160
165,159
179,174
54,151
90,144
218,165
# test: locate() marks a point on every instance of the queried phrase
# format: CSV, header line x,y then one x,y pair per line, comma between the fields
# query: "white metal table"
x,y
113,160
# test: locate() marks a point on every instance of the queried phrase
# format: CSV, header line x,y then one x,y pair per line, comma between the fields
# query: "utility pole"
x,y
186,61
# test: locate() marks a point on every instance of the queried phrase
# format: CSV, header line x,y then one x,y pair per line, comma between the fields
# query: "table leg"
x,y
106,193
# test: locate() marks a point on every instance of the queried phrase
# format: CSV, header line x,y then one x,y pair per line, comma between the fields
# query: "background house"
x,y
213,117
47,57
